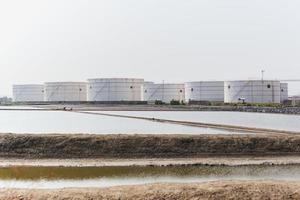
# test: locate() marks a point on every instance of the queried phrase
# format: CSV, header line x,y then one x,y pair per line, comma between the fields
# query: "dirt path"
x,y
213,190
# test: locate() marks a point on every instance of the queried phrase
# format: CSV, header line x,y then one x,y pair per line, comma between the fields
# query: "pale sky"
x,y
171,40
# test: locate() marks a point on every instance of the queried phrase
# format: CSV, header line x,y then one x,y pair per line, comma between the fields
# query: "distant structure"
x,y
295,100
65,92
5,100
115,89
252,91
28,93
165,92
137,90
212,91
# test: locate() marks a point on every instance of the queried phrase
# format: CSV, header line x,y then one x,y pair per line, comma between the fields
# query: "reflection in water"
x,y
72,173
60,177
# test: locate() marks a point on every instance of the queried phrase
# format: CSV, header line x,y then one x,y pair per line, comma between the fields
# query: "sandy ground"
x,y
228,161
212,190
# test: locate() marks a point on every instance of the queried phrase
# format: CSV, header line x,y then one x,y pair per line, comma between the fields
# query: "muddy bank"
x,y
144,146
213,190
160,162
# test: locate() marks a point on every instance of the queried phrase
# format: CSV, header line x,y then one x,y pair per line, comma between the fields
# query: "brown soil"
x,y
144,146
213,190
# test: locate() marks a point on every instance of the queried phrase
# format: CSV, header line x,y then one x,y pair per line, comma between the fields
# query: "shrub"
x,y
175,102
159,102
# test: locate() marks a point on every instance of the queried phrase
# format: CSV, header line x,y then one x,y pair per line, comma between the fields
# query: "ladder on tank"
x,y
242,89
101,89
155,91
52,93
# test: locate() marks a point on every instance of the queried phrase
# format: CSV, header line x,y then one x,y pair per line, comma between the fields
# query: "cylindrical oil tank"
x,y
145,90
284,94
252,91
65,91
204,91
165,92
115,89
28,93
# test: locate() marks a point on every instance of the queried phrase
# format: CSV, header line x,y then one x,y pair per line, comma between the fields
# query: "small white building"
x,y
165,92
252,91
65,91
28,93
115,89
204,91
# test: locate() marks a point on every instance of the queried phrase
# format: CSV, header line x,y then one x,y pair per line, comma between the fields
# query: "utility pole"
x,y
262,87
262,75
163,91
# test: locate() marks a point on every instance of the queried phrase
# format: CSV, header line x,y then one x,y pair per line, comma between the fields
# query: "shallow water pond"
x,y
258,120
68,122
61,177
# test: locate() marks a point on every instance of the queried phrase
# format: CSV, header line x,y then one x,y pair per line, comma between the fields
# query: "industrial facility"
x,y
284,95
204,91
165,92
137,90
28,93
65,91
115,89
252,91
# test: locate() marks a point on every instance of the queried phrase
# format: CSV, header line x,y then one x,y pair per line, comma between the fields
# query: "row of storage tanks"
x,y
127,89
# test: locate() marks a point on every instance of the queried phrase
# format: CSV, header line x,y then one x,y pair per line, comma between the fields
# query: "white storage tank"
x,y
204,91
28,93
115,89
145,90
65,91
165,92
284,94
252,91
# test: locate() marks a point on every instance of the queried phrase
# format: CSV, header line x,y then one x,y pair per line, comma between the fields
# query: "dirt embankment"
x,y
213,190
144,146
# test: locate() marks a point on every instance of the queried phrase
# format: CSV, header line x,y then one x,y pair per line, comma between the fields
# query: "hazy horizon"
x,y
170,40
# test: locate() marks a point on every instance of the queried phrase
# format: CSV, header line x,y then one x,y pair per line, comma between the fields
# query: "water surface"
x,y
62,177
258,120
13,121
